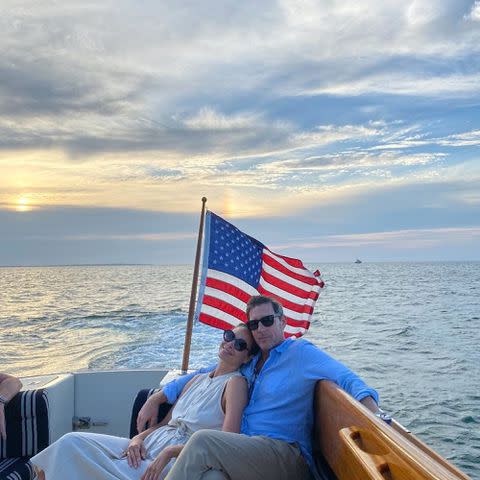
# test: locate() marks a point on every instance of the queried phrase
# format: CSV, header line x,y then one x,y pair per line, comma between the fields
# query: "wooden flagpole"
x,y
193,295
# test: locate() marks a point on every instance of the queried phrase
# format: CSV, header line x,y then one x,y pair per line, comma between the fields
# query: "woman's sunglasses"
x,y
240,344
265,321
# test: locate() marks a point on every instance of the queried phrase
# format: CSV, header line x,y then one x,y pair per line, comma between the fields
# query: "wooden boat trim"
x,y
358,445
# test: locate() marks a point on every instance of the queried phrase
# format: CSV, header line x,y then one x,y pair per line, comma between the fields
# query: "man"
x,y
277,423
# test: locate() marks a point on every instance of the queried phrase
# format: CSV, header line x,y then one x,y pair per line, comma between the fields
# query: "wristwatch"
x,y
383,416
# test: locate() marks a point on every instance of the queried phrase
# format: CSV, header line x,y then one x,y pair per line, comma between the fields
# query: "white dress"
x,y
93,456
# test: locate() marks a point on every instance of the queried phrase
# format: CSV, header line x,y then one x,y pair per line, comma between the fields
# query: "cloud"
x,y
325,134
474,14
209,119
405,239
205,131
146,237
327,162
101,78
463,139
471,138
450,86
45,87
265,109
351,160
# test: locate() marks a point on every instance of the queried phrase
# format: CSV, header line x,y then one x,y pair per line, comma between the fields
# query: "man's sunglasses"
x,y
265,321
240,344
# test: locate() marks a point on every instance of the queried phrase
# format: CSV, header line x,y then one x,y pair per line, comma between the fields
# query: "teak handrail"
x,y
359,446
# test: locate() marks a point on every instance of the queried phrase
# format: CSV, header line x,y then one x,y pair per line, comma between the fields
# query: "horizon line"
x,y
120,264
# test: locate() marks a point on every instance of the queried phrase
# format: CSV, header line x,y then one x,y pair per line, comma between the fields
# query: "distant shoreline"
x,y
364,263
85,265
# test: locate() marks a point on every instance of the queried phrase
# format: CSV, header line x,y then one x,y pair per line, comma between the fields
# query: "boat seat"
x,y
28,433
16,469
140,399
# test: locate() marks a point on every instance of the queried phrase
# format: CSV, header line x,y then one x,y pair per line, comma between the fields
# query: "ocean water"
x,y
411,330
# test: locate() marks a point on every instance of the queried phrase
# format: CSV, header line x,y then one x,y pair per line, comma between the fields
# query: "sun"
x,y
23,205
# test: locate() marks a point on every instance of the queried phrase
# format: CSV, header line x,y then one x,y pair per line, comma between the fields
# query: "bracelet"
x,y
3,400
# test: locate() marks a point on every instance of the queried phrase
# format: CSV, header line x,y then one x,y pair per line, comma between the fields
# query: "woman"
x,y
212,400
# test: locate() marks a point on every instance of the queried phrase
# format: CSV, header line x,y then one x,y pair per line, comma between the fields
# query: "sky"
x,y
329,130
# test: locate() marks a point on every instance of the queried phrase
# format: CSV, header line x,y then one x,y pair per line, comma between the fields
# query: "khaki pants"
x,y
214,455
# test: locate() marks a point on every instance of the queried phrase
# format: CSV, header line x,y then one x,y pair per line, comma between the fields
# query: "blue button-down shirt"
x,y
281,395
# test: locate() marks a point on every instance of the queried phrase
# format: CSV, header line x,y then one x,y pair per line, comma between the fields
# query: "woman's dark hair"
x,y
254,348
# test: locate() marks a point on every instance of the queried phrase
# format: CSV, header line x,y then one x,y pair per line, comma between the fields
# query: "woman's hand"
x,y
156,467
135,451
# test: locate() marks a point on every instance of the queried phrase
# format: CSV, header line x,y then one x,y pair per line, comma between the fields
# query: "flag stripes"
x,y
291,284
237,298
274,261
236,267
266,288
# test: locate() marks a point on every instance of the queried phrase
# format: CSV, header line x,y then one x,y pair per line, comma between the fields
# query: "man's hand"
x,y
3,429
148,414
370,403
156,467
135,452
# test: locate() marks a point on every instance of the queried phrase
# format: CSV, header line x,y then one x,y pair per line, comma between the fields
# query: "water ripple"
x,y
409,329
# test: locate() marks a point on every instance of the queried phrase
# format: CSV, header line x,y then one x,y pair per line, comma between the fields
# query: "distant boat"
x,y
358,260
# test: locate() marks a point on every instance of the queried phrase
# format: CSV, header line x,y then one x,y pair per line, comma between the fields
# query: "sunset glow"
x,y
337,129
22,205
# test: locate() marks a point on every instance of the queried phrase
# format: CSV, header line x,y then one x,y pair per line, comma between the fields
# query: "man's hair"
x,y
257,300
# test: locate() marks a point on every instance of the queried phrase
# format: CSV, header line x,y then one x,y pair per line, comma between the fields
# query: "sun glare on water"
x,y
22,205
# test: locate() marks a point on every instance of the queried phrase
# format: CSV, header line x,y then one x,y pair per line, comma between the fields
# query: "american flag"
x,y
237,266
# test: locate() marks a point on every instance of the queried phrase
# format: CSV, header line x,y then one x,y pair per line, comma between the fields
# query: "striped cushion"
x,y
16,469
140,399
27,425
